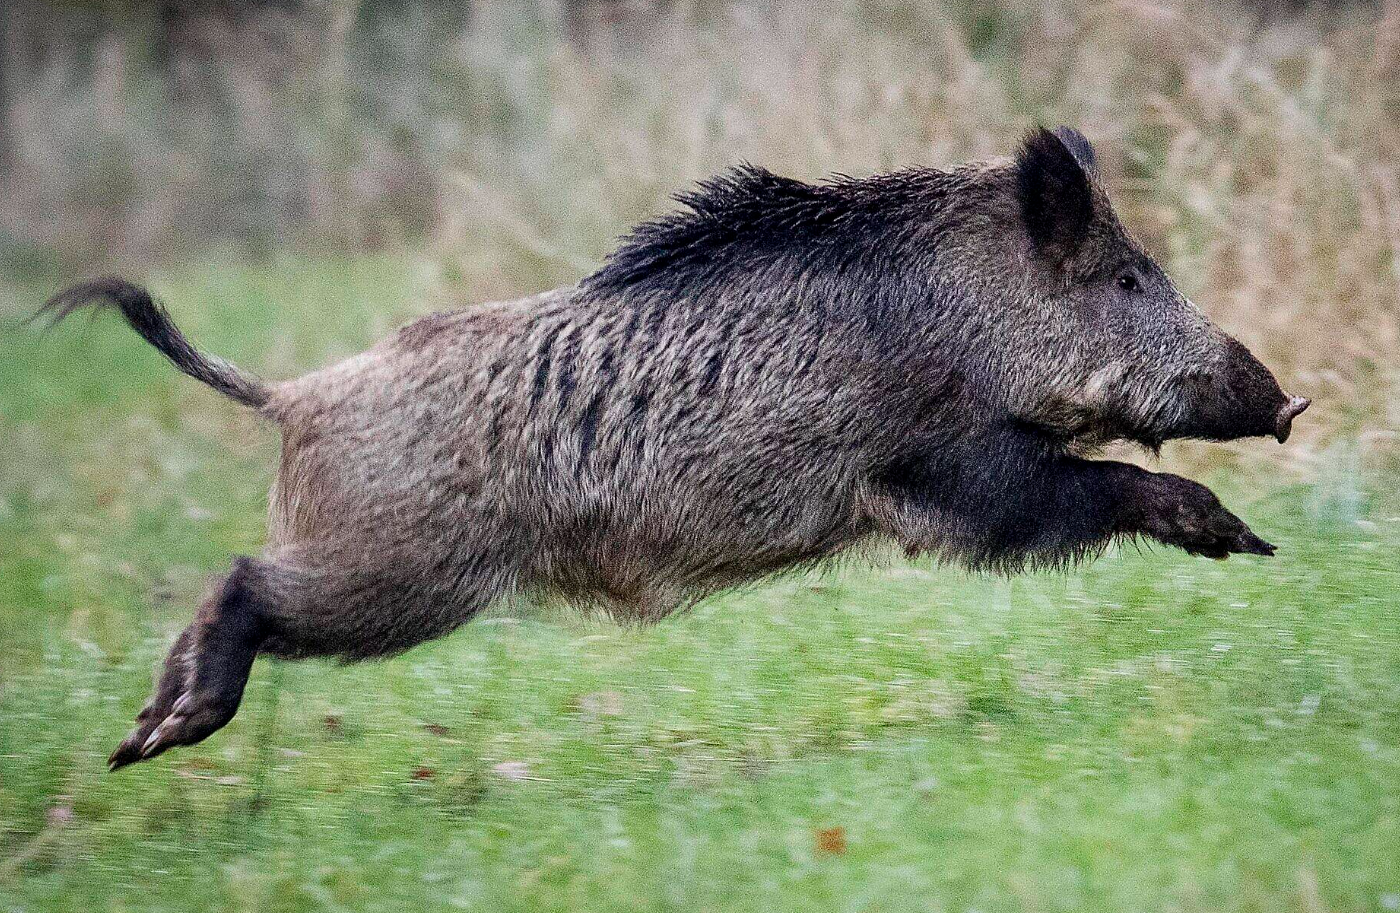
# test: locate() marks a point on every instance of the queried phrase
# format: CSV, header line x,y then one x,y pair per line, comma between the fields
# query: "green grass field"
x,y
1151,732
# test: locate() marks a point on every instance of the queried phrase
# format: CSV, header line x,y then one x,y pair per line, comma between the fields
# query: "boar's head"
x,y
1104,347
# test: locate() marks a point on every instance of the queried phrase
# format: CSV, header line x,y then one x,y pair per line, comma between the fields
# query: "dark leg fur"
x,y
1186,515
1095,501
334,600
1058,510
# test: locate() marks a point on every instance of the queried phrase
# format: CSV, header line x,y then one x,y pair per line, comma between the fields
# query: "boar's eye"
x,y
1128,282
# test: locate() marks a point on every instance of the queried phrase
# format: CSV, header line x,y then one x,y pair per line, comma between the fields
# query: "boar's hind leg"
x,y
354,603
205,671
296,602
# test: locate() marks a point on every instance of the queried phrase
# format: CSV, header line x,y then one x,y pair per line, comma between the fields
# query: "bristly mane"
x,y
750,217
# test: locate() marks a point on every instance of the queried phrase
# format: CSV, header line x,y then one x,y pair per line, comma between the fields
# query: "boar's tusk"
x,y
1286,415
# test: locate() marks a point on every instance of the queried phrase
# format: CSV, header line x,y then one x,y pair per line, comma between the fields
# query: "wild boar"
x,y
776,373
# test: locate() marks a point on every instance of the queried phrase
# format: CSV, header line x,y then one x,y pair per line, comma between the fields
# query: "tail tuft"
x,y
146,316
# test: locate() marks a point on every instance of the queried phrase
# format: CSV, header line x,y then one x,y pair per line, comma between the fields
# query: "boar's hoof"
x,y
1223,540
205,673
1189,516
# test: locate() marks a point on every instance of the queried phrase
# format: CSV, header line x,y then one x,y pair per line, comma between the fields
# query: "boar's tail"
x,y
148,318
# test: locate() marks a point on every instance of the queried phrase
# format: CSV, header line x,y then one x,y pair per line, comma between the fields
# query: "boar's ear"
x,y
1057,202
1078,146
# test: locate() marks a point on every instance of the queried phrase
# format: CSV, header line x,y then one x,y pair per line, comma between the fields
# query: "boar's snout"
x,y
1241,398
1291,410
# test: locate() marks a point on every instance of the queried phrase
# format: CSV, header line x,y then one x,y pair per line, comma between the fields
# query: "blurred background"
x,y
1255,147
1147,732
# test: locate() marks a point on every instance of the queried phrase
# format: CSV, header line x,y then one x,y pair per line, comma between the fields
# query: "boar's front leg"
x,y
1080,502
1039,512
1184,514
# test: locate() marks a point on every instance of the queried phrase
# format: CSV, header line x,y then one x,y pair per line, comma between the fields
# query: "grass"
x,y
1151,732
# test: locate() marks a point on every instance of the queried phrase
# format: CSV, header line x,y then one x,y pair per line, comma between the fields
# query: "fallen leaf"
x,y
831,840
423,773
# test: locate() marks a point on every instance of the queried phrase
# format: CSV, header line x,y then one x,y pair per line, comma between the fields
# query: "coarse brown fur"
x,y
775,375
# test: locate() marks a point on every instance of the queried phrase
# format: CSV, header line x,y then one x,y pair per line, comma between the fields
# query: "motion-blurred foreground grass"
x,y
1152,732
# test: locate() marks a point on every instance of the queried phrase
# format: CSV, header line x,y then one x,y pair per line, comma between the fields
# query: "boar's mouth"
x,y
1242,399
1229,397
1086,431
